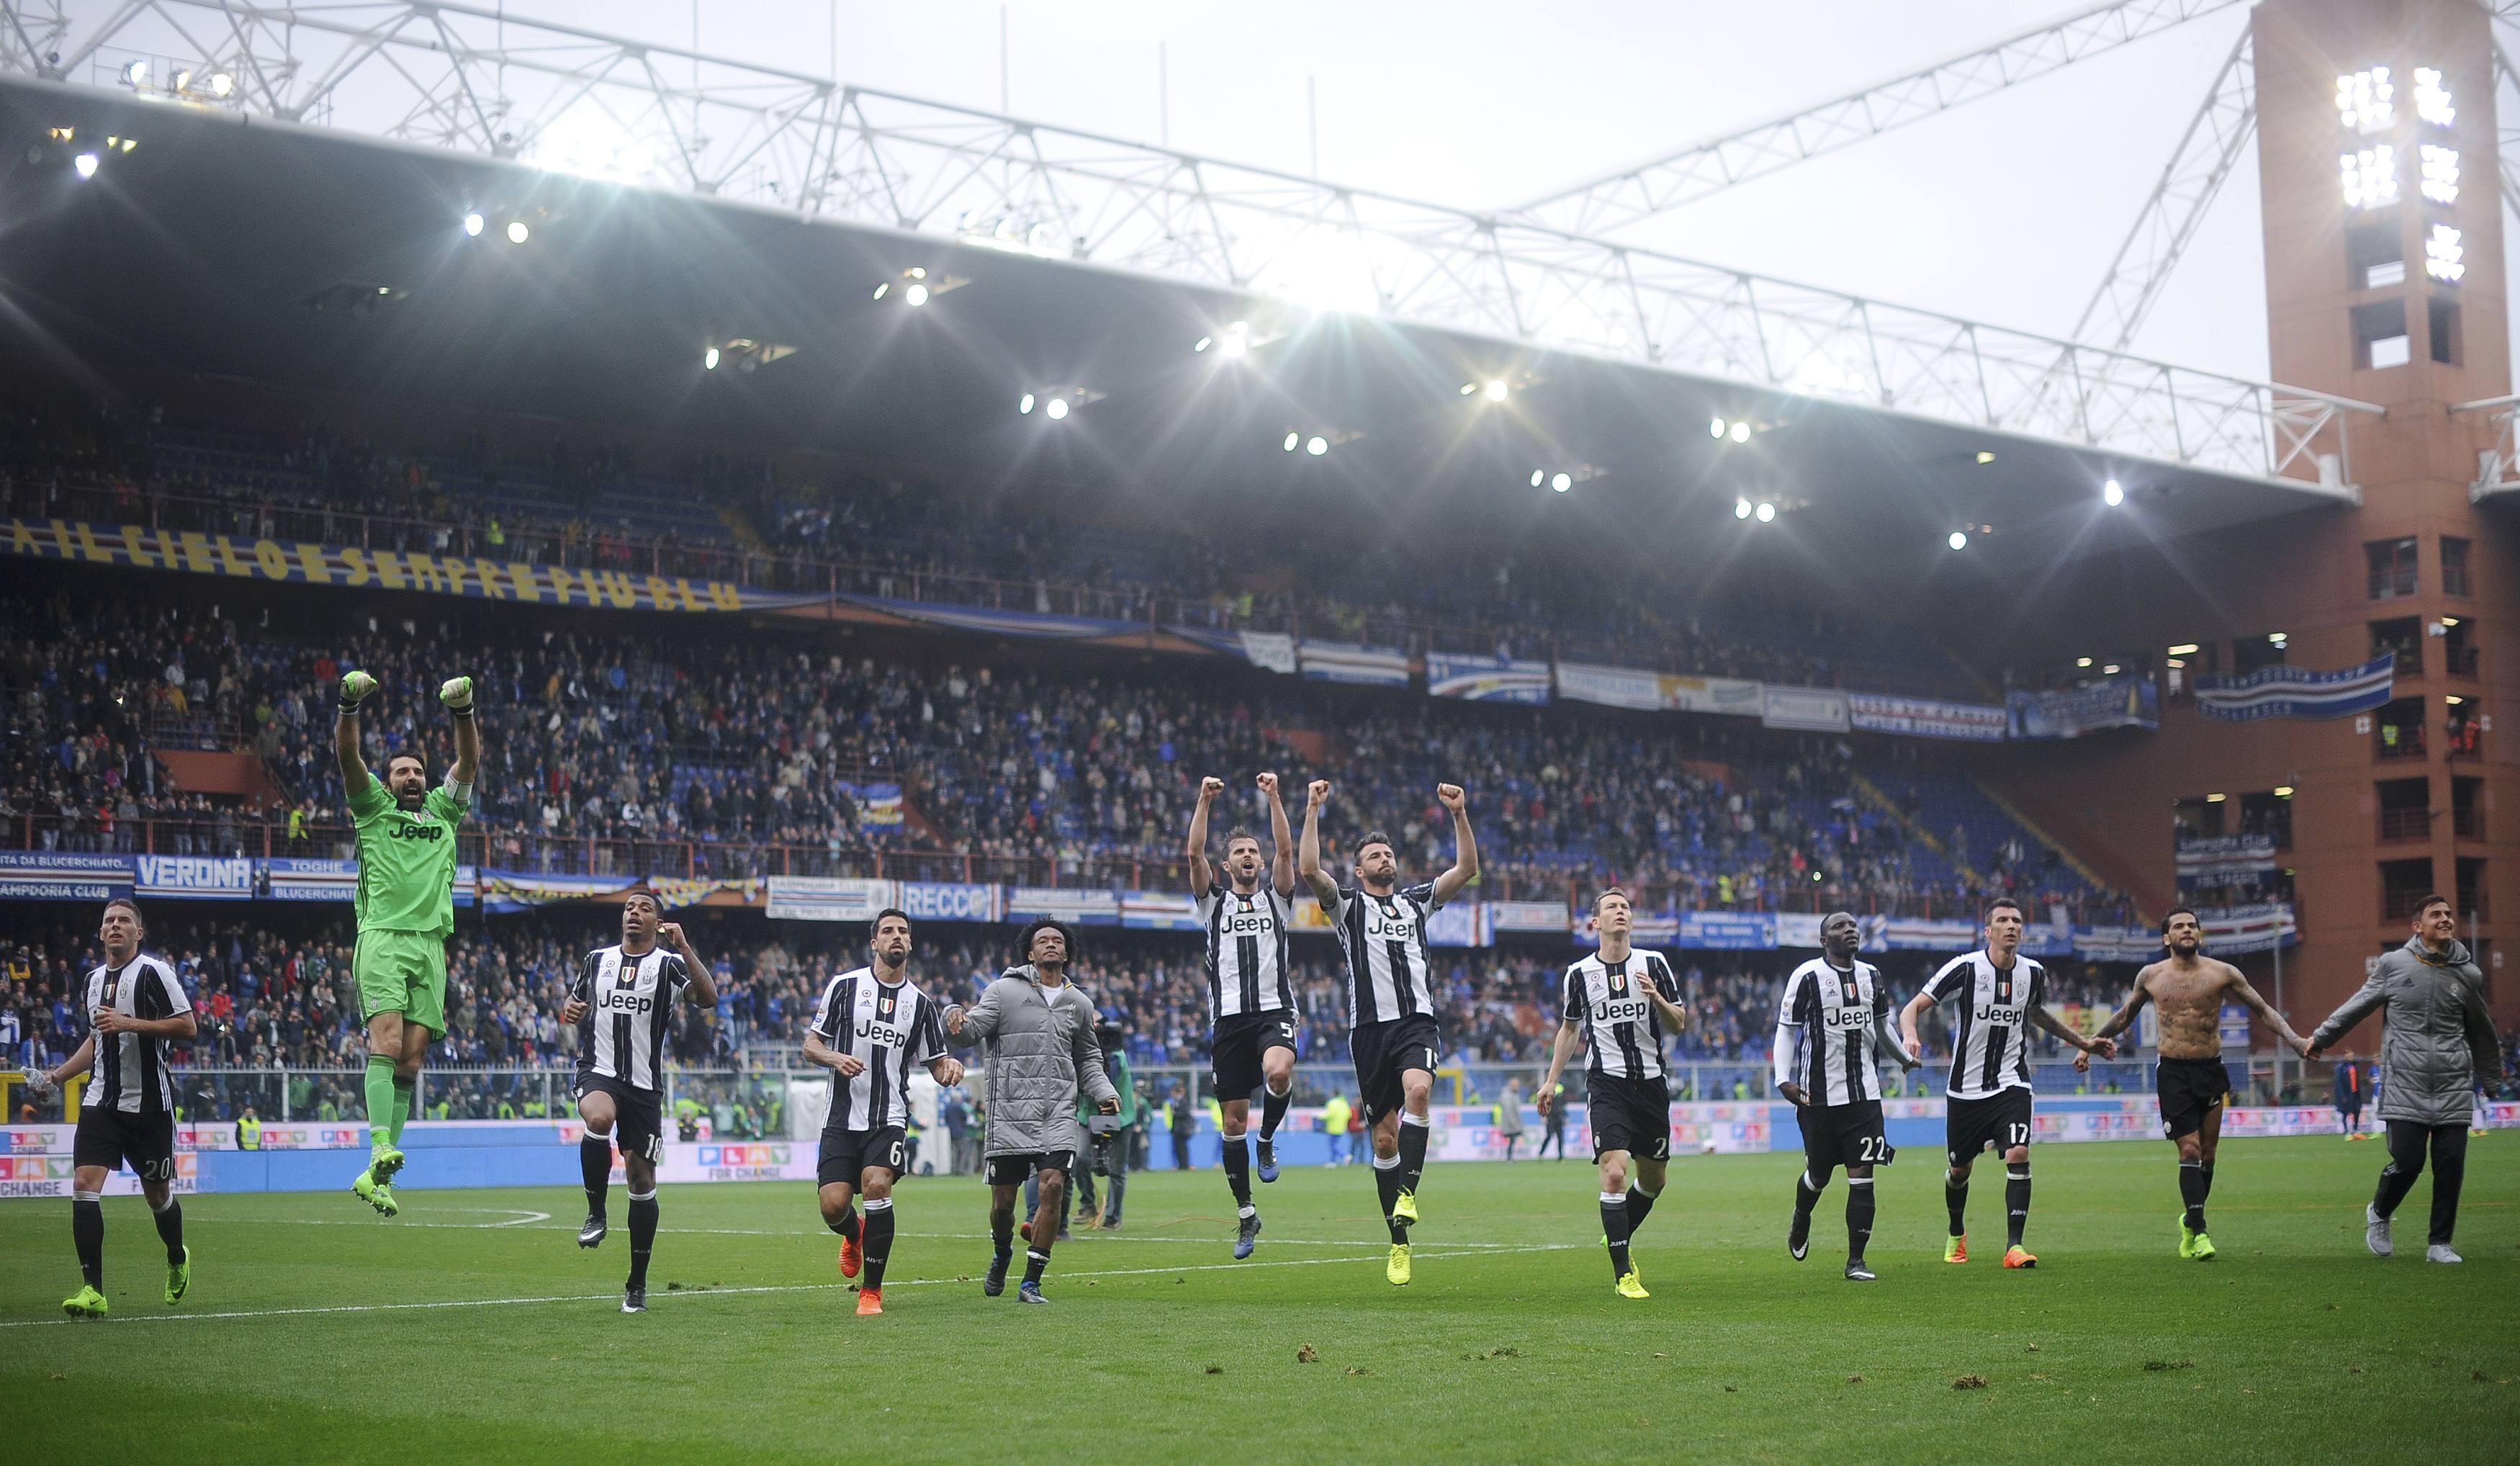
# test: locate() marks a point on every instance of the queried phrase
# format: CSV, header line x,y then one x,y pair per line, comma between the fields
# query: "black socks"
x,y
87,1229
1640,1206
1956,1199
1859,1216
1237,1168
595,1164
1273,1110
878,1241
170,1229
643,1235
2192,1191
1614,1229
1414,1131
2016,1202
1386,1185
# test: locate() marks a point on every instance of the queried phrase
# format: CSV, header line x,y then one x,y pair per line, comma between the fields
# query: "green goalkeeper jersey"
x,y
406,860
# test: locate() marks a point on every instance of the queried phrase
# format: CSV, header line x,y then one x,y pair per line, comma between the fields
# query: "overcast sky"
x,y
2006,210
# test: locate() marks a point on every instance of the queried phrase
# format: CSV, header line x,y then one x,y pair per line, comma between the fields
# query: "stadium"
x,y
675,726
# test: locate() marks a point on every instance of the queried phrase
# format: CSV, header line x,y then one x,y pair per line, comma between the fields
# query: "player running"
x,y
624,1006
872,1024
1614,1004
1391,995
127,1117
406,910
1037,1034
1833,1027
1254,1043
1988,1091
2188,991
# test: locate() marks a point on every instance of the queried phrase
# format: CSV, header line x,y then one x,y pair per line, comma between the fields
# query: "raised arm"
x,y
1281,840
457,695
1200,876
1308,850
2136,997
1465,845
2239,986
703,982
355,690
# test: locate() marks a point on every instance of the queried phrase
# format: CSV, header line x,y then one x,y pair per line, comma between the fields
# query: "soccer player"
x,y
136,1010
2188,991
872,1024
1833,1027
1253,1042
406,909
1037,1034
623,1005
1381,928
1614,1004
2000,992
2437,1045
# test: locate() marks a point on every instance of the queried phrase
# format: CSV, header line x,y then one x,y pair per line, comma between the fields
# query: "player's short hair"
x,y
1375,836
2430,901
1023,944
1239,833
414,757
888,911
1608,892
1842,915
2000,902
2188,911
643,894
130,905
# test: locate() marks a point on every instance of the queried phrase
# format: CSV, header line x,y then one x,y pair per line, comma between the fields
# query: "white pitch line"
x,y
583,1297
1368,1243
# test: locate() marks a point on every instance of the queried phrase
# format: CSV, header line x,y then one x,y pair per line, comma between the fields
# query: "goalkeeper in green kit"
x,y
406,911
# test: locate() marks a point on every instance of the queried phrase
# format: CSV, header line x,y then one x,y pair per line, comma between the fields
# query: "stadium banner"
x,y
1353,661
1486,679
51,876
1731,696
2124,700
1470,1132
1460,924
197,877
2226,860
733,1161
1526,916
1924,718
1077,905
1727,931
1159,910
1610,686
828,897
298,563
1801,929
1910,933
991,622
1808,709
2298,692
1270,651
294,878
1653,928
506,892
951,900
2230,931
878,805
52,1174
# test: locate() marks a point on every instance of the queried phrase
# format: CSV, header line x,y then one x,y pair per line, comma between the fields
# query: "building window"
x,y
2403,884
2455,567
2404,635
2392,565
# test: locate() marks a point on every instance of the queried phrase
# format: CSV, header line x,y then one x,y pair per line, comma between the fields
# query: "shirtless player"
x,y
2188,989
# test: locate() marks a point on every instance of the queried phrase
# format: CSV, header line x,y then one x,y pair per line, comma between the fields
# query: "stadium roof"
x,y
241,246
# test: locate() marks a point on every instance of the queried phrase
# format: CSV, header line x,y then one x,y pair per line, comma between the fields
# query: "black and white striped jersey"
x,y
1246,950
888,1027
130,1067
1833,1030
1991,1043
1622,1028
629,1012
1384,940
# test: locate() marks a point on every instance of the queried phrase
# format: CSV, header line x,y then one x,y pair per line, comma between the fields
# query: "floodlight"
x,y
1985,456
2437,169
1317,445
1740,509
1714,426
517,232
1739,432
883,290
1561,483
222,84
1958,541
709,359
472,225
2081,661
135,74
917,295
2112,493
1025,405
1294,440
2369,177
85,163
1469,389
1497,390
2432,98
2444,258
2184,649
1537,475
1202,344
2363,100
1055,408
1766,513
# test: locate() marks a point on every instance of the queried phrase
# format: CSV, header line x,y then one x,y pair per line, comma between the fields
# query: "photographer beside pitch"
x,y
2437,1045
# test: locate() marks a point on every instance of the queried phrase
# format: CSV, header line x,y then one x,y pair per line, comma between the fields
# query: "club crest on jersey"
x,y
1619,980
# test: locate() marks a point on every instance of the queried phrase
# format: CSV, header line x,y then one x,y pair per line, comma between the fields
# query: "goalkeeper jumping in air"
x,y
406,906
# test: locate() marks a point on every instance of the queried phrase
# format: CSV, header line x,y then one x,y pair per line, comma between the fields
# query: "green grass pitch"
x,y
474,1329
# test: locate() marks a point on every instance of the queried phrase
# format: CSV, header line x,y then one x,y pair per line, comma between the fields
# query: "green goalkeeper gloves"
x,y
457,694
357,687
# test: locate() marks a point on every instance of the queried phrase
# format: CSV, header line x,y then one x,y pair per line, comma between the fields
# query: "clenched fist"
x,y
1210,787
1316,793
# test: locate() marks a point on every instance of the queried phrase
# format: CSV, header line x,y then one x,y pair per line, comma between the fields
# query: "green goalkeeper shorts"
x,y
405,973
